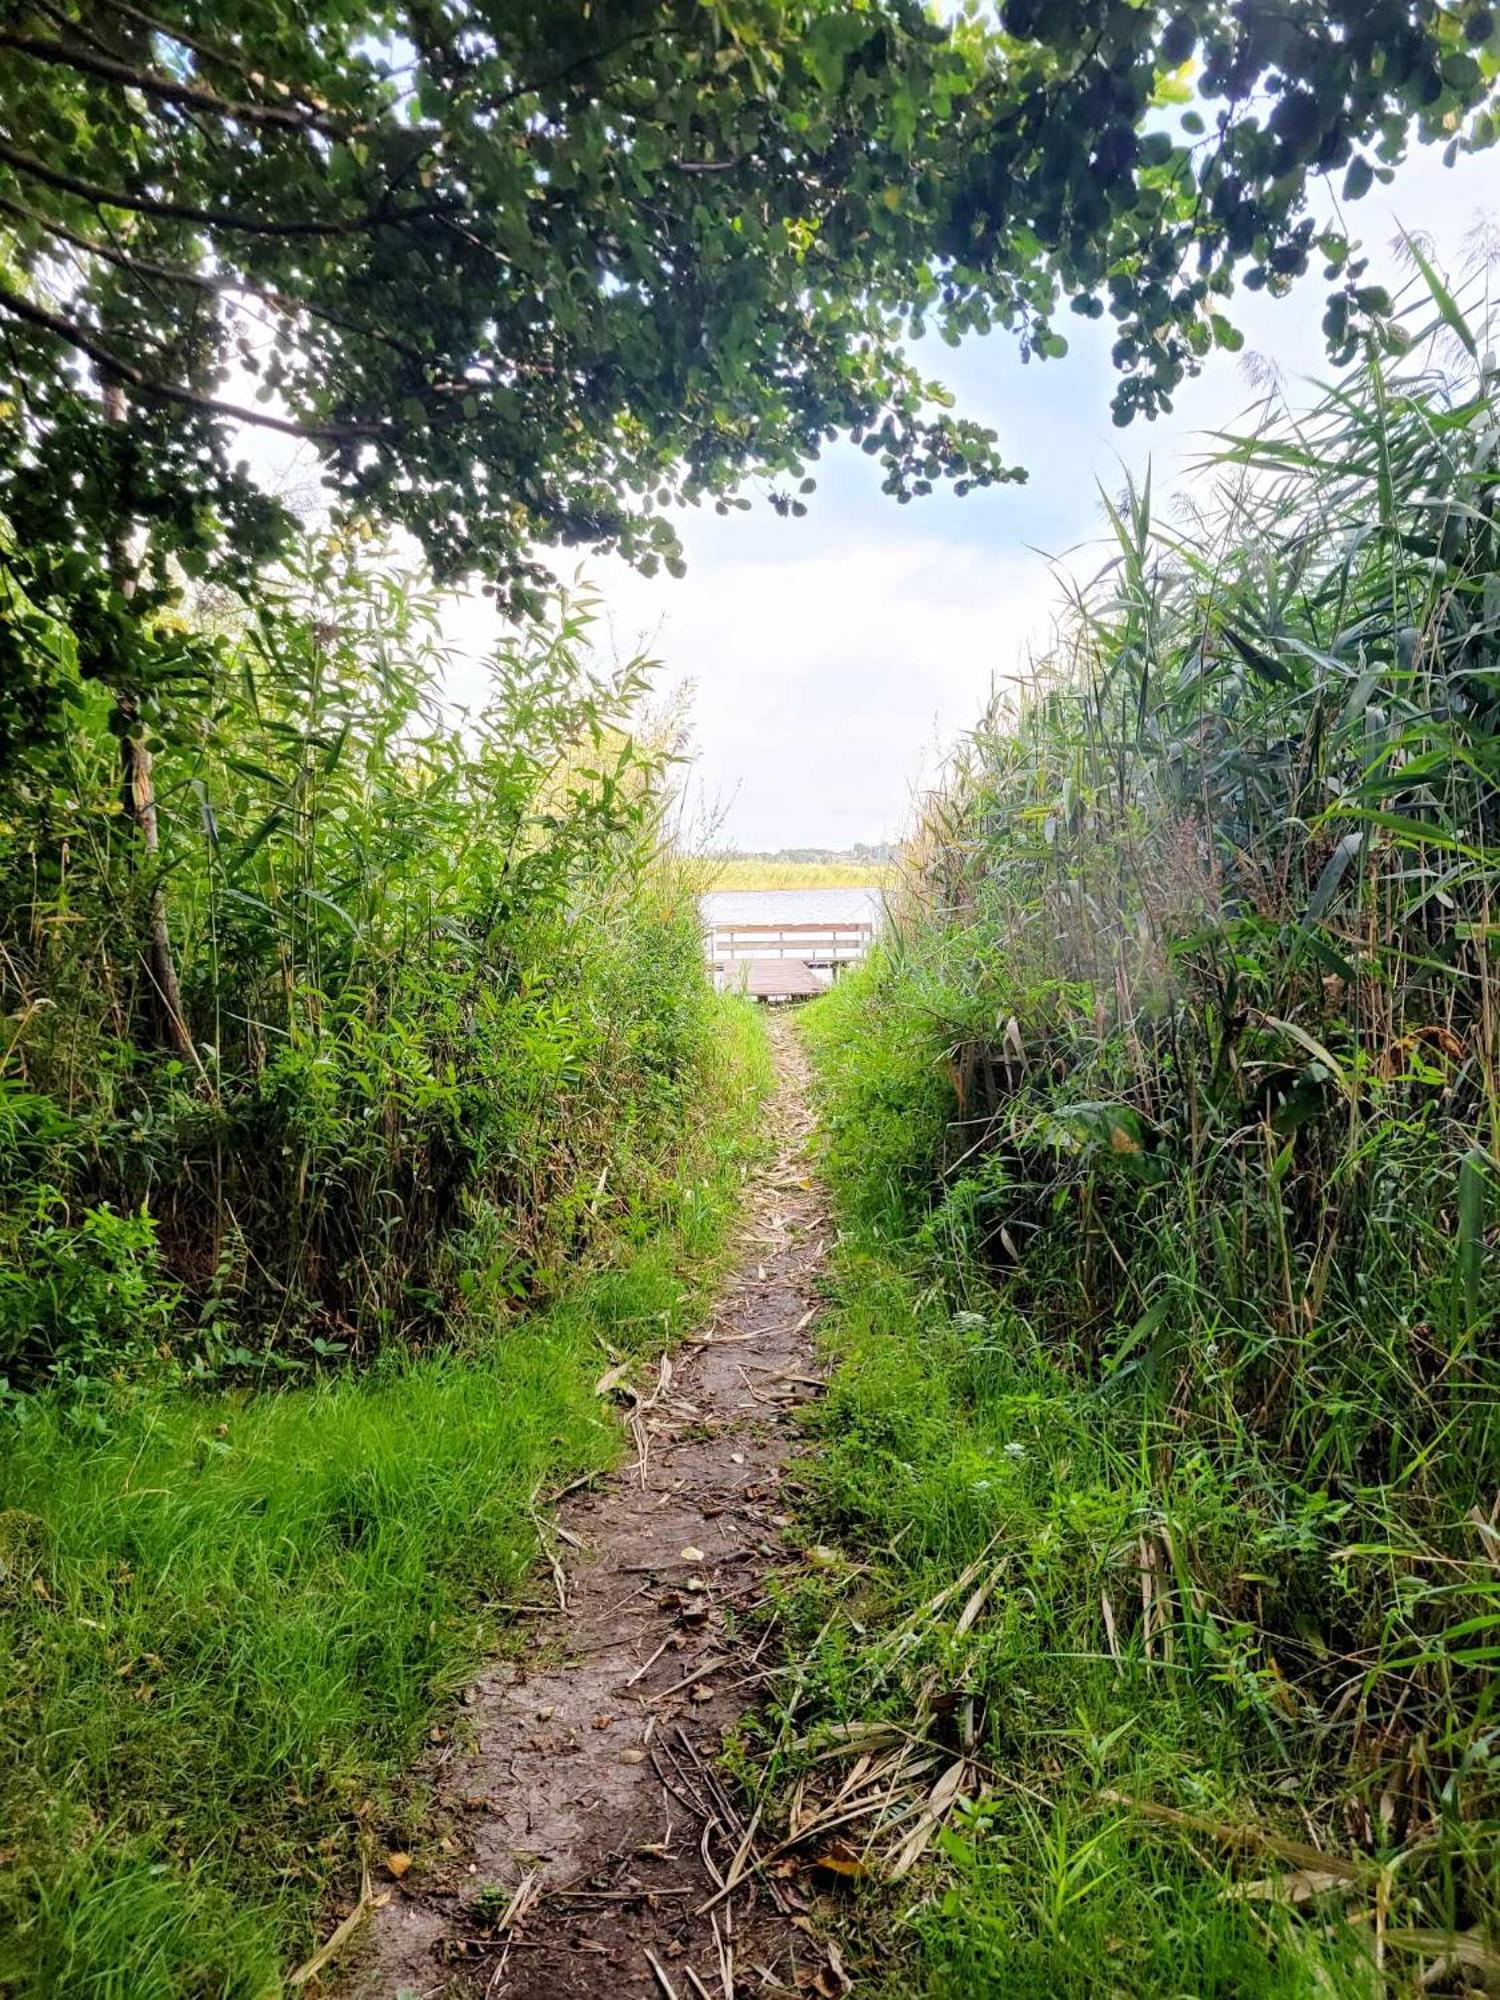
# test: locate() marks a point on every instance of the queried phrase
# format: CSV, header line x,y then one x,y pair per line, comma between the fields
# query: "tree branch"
x,y
209,53
180,274
167,392
285,117
205,218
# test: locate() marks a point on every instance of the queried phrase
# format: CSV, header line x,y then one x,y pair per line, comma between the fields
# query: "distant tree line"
x,y
866,851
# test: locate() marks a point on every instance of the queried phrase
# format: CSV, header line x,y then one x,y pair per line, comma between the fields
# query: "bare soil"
x,y
591,1831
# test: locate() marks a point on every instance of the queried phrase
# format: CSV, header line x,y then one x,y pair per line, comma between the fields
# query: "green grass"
x,y
227,1622
940,1434
954,1434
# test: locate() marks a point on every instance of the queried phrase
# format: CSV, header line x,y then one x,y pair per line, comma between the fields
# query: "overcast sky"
x,y
833,660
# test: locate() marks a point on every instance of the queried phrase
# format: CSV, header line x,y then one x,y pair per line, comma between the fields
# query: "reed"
x,y
1167,1116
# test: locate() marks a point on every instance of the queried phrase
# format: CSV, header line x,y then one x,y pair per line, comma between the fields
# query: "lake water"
x,y
791,906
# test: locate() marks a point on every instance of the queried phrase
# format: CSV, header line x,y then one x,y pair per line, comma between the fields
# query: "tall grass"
x,y
441,983
1177,1078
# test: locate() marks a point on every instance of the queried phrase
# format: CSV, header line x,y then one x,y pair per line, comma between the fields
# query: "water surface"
x,y
791,906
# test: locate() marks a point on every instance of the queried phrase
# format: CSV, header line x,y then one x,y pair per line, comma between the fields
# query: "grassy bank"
x,y
747,871
954,1449
1163,1450
227,1621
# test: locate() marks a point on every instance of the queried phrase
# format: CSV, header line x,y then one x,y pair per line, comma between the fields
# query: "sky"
x,y
834,661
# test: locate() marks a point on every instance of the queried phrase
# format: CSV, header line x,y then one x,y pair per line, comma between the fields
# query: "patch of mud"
x,y
591,1835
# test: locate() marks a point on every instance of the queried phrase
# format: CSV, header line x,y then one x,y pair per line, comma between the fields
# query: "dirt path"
x,y
589,1829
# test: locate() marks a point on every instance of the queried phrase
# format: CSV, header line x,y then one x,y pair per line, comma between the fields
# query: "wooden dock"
x,y
772,979
783,961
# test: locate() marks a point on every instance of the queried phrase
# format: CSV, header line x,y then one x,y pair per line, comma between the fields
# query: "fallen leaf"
x,y
632,1756
822,1557
692,1555
702,1692
604,1722
839,1858
1294,1888
397,1864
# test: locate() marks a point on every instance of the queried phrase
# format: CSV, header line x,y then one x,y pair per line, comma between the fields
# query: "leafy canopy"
x,y
535,272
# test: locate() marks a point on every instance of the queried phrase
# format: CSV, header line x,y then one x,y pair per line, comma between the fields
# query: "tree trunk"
x,y
138,796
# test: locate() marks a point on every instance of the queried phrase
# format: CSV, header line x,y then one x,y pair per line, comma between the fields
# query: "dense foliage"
x,y
453,1100
444,1002
1178,1081
522,273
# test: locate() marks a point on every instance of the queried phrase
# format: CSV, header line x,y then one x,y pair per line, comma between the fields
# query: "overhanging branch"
x,y
166,89
206,218
120,370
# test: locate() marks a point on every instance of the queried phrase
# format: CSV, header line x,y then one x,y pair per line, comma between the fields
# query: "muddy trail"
x,y
586,1842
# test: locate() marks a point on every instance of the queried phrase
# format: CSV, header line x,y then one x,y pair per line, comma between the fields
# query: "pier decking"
x,y
772,979
783,961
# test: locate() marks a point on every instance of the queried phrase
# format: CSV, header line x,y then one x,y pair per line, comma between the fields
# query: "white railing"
x,y
814,944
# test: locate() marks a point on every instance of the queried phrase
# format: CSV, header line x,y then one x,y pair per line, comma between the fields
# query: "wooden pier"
x,y
783,961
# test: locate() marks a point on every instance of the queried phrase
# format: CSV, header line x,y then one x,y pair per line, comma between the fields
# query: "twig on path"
x,y
559,1575
662,1980
746,1835
791,1375
701,1674
574,1486
649,1664
725,1948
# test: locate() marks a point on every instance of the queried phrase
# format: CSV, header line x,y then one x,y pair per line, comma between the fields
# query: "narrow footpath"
x,y
592,1846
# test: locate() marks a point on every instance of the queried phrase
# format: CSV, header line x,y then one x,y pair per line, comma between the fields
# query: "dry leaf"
x,y
939,1799
839,1858
611,1378
398,1864
1293,1888
692,1555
